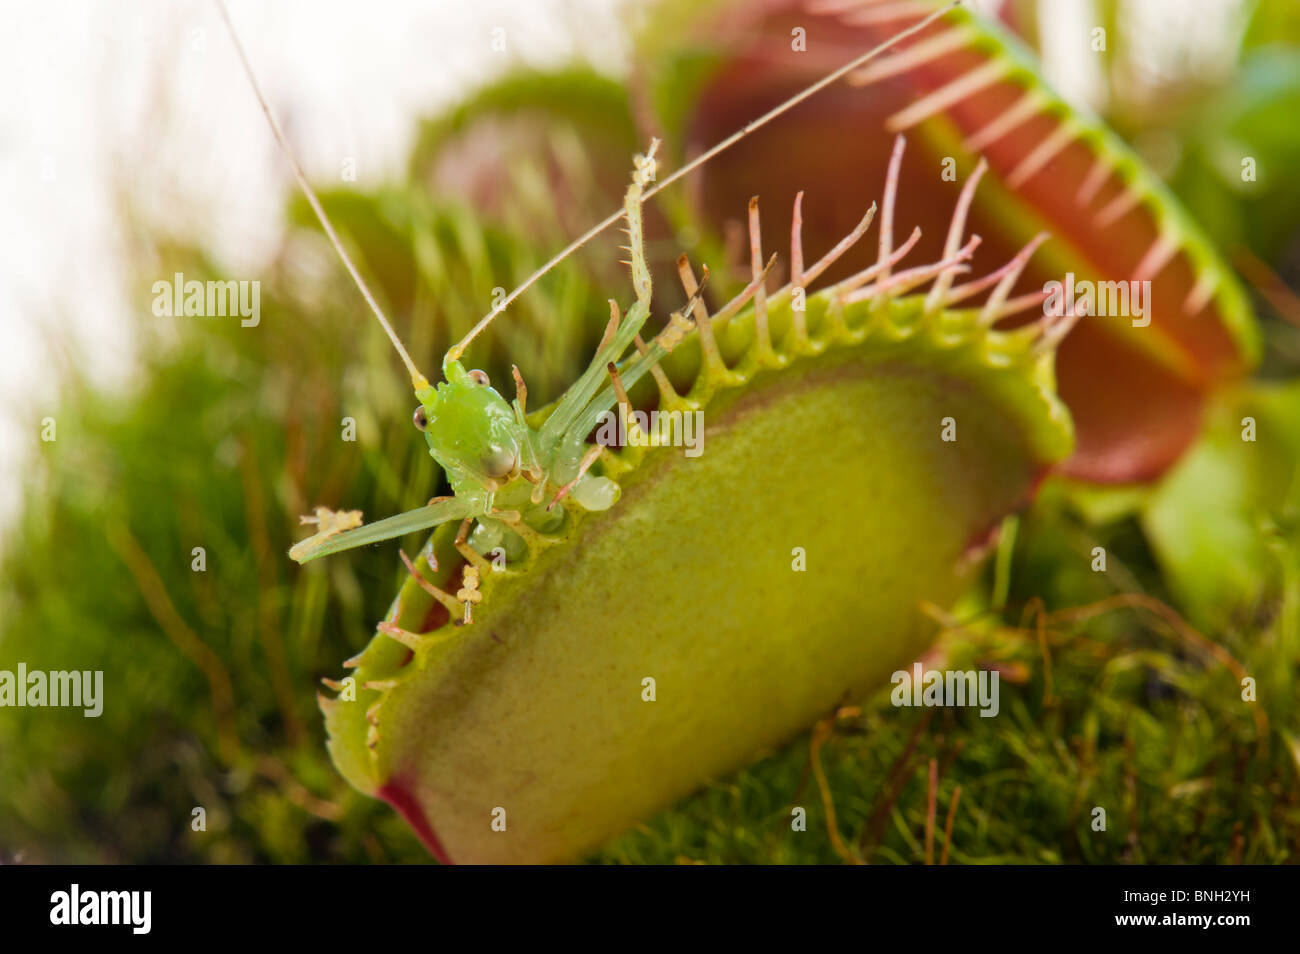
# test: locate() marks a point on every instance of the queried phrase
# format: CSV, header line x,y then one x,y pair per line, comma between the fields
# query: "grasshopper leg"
x,y
530,467
572,404
421,518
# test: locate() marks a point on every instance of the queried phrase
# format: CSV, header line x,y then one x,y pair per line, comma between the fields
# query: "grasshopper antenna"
x,y
417,379
700,160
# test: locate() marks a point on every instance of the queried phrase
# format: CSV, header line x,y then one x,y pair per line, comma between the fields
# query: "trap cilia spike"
x,y
864,442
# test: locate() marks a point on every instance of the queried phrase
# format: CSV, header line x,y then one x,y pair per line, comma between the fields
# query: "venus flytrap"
x,y
537,694
520,687
965,92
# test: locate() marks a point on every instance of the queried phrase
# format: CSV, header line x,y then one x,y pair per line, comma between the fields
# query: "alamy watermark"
x,y
212,299
1103,299
948,688
132,908
78,688
663,428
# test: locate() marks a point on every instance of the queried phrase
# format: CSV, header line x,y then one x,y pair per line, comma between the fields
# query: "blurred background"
x,y
145,99
131,148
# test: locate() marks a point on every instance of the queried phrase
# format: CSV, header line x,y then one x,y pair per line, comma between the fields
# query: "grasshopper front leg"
x,y
331,540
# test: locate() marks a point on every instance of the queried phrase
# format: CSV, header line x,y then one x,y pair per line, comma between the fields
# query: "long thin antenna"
x,y
417,379
730,141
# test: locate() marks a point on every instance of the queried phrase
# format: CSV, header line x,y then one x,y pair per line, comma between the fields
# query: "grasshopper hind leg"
x,y
618,338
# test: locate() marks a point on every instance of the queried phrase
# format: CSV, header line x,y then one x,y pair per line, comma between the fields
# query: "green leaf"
x,y
1223,523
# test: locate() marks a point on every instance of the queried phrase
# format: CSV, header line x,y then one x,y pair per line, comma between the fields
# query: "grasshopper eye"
x,y
479,377
420,419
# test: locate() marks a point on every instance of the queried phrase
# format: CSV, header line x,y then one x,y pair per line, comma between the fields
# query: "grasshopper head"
x,y
469,426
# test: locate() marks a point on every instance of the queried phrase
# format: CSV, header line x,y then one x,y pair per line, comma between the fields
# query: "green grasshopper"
x,y
487,447
502,469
